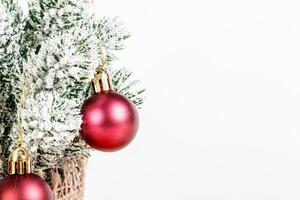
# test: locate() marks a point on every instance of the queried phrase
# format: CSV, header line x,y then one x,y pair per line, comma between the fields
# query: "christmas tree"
x,y
51,48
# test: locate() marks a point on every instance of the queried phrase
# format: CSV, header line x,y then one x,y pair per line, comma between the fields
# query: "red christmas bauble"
x,y
24,187
109,121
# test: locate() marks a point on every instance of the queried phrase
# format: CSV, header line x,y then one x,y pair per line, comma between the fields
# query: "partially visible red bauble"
x,y
24,187
109,121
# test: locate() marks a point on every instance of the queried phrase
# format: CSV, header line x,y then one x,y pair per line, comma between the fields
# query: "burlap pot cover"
x,y
67,179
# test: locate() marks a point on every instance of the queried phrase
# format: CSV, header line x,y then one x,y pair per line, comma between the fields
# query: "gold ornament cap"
x,y
19,162
102,81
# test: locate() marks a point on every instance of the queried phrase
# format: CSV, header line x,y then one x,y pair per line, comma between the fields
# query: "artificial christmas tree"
x,y
52,48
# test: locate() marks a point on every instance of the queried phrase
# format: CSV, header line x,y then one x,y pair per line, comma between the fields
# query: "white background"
x,y
221,120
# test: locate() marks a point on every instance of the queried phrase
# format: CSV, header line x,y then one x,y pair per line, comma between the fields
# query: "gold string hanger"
x,y
19,161
103,62
20,114
102,81
102,65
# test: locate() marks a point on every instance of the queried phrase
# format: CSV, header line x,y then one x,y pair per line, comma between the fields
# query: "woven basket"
x,y
67,179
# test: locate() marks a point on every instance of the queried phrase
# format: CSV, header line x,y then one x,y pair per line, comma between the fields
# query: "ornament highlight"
x,y
21,184
109,119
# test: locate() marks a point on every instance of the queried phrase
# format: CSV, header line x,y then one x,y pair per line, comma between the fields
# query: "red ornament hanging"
x,y
21,184
109,119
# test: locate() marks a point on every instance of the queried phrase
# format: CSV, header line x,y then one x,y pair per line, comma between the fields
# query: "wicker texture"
x,y
67,179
